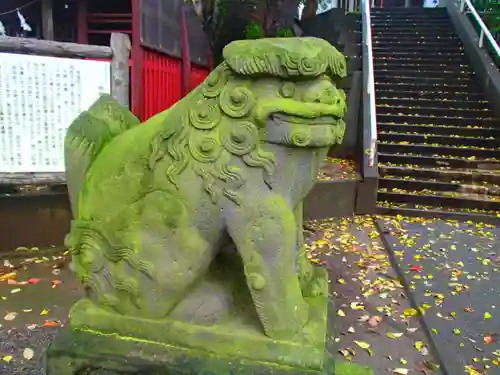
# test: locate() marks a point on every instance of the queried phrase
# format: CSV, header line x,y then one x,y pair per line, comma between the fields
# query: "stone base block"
x,y
99,342
93,353
100,339
76,352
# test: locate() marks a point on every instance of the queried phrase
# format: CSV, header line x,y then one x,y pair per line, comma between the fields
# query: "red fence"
x,y
161,82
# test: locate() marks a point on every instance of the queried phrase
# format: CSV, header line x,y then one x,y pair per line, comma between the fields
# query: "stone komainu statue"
x,y
196,214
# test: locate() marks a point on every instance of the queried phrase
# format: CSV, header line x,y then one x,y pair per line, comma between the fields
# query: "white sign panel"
x,y
431,3
39,98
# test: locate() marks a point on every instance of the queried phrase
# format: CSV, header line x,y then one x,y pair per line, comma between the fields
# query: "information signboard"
x,y
39,98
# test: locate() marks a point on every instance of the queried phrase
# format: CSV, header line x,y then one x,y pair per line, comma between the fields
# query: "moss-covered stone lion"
x,y
229,164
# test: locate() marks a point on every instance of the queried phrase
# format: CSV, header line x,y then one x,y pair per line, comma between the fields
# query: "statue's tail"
x,y
87,136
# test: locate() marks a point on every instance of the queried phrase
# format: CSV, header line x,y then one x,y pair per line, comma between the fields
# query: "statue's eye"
x,y
287,89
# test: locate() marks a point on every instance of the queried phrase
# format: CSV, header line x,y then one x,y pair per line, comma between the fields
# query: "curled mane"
x,y
211,126
285,58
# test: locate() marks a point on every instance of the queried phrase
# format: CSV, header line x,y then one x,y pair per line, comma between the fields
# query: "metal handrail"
x,y
370,87
484,29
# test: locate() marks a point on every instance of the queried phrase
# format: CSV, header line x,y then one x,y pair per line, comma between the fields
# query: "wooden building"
x,y
154,27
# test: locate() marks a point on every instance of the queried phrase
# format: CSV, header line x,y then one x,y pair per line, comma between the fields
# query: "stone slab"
x,y
323,201
98,336
76,349
238,337
100,354
451,271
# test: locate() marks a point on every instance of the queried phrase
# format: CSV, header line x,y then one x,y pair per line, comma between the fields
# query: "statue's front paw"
x,y
304,281
318,284
306,272
318,288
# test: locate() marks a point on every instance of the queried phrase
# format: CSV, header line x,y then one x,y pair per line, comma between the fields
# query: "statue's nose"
x,y
324,92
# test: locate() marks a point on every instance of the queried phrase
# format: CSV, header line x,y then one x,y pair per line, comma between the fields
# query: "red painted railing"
x,y
161,82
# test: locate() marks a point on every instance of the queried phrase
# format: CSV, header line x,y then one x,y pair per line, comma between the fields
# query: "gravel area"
x,y
36,293
13,342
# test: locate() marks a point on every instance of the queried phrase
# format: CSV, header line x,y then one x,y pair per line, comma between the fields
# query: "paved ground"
x,y
372,310
453,272
375,328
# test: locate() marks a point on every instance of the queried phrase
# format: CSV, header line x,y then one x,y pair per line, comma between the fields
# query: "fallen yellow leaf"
x,y
10,316
411,312
362,344
401,371
28,353
8,276
394,335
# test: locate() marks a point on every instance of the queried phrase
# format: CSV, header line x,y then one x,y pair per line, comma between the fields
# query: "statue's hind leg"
x,y
180,254
186,259
144,267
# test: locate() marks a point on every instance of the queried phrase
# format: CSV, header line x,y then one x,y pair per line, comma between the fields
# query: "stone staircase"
x,y
439,142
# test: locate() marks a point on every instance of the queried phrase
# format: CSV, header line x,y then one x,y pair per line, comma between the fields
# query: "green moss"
x,y
229,339
74,350
285,33
254,30
292,107
348,368
285,57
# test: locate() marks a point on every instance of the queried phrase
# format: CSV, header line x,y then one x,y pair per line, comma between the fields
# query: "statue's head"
x,y
285,87
279,91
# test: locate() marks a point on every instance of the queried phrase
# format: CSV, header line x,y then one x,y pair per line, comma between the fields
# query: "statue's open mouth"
x,y
289,122
278,118
300,131
293,112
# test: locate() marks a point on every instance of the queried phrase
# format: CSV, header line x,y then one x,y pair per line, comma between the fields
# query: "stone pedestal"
x,y
104,341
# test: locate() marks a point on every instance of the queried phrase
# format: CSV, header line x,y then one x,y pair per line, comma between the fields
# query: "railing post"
x,y
462,5
481,38
373,152
369,80
120,76
484,32
186,55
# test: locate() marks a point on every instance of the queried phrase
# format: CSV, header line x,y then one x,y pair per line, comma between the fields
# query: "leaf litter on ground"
x,y
15,277
371,302
431,247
